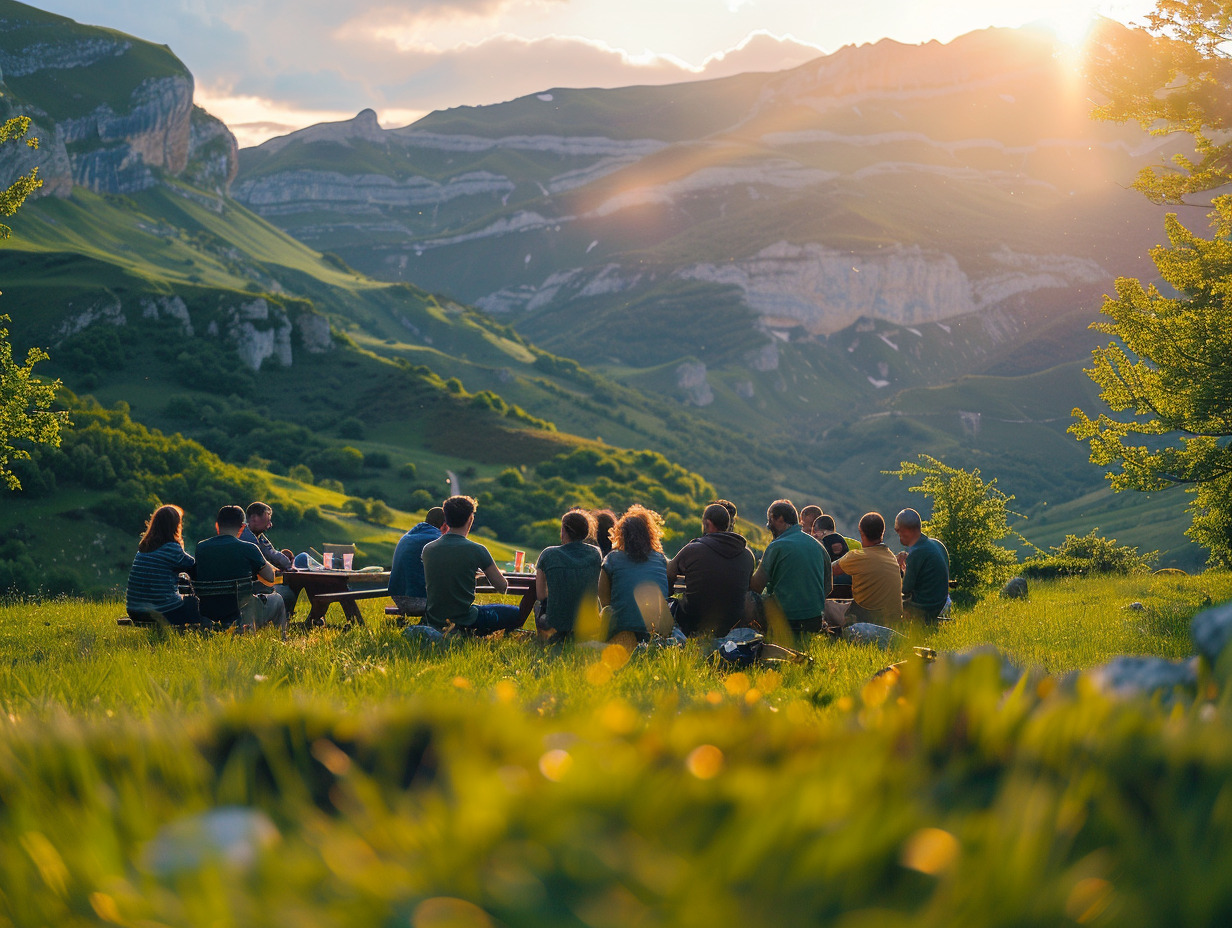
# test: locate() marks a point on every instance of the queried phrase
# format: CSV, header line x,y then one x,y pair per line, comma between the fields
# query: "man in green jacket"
x,y
794,575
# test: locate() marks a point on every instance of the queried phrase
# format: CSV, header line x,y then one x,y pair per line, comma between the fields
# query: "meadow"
x,y
356,778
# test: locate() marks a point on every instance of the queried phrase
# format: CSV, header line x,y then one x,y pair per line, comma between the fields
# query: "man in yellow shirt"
x,y
876,581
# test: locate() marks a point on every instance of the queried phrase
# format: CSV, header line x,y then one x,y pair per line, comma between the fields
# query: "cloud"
x,y
277,64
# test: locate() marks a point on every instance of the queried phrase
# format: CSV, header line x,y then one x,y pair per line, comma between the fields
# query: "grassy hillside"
x,y
187,780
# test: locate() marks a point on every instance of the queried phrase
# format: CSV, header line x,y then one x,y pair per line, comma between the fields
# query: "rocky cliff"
x,y
112,113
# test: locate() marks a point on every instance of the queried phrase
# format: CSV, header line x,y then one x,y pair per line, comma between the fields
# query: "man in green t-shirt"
x,y
794,574
926,569
450,565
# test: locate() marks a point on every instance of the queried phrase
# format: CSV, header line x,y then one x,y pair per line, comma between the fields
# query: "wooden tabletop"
x,y
377,576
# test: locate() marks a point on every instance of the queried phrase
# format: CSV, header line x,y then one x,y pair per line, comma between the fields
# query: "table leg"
x,y
316,614
351,609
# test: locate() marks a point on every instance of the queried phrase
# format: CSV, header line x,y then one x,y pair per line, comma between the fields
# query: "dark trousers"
x,y
494,618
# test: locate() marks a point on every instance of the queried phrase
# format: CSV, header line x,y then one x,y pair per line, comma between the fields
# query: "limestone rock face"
x,y
691,379
120,133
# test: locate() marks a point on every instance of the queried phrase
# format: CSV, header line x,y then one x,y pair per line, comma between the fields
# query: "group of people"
x,y
607,579
223,571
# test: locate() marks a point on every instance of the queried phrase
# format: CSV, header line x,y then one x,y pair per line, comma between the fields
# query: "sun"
x,y
1071,28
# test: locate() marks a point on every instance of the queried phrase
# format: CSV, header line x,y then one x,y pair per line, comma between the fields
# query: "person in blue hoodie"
x,y
407,587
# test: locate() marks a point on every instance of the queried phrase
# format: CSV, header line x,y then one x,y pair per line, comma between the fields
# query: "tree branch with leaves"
x,y
26,417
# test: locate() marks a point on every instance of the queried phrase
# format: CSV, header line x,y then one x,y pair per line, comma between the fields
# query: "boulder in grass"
x,y
1011,672
231,835
867,632
1211,631
1136,607
424,635
1128,677
1015,589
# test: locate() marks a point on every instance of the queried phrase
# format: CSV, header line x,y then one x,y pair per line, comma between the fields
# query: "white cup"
x,y
348,560
328,560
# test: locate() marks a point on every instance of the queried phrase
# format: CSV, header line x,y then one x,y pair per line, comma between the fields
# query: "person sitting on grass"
x,y
717,568
876,584
226,557
450,564
926,569
407,587
731,510
605,521
808,515
836,546
794,574
633,586
152,593
567,577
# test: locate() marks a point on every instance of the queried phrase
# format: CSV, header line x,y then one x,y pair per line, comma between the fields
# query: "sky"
x,y
267,67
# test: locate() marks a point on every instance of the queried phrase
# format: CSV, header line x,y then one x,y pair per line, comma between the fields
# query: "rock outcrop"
x,y
124,126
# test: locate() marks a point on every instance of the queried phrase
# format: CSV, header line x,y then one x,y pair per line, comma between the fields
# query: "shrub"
x,y
338,462
1089,555
380,513
378,460
969,518
422,499
408,471
300,472
351,428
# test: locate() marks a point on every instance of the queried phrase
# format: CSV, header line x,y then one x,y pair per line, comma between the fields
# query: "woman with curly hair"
x,y
152,580
633,586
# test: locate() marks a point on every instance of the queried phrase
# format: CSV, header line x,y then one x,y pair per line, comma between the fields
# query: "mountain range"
x,y
786,282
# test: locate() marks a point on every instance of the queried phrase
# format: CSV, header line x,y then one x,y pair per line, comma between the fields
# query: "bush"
x,y
422,499
511,477
380,513
338,462
378,460
408,471
969,518
301,472
1088,555
351,428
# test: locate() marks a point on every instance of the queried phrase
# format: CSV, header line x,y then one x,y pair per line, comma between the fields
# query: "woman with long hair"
x,y
160,559
633,586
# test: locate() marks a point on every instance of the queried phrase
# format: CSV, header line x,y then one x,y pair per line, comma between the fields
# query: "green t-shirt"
x,y
926,581
572,573
798,574
449,564
225,557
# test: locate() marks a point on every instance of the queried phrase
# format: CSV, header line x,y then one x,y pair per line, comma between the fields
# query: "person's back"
x,y
797,569
926,582
407,586
876,583
226,567
450,563
572,574
716,569
639,590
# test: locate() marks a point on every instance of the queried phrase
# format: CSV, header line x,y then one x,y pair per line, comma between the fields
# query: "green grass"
x,y
498,783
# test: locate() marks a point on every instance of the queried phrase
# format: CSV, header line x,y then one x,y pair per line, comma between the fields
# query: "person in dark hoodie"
x,y
716,568
567,578
406,578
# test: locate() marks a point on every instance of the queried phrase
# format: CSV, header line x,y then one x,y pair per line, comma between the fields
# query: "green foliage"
x,y
300,472
26,417
1166,378
1088,555
1173,77
11,198
378,460
969,517
338,462
351,428
421,499
408,471
527,508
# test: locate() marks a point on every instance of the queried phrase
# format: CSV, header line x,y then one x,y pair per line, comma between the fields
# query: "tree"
x,y
25,401
1166,377
969,518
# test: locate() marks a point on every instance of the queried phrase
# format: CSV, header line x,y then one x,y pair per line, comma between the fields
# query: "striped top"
x,y
152,578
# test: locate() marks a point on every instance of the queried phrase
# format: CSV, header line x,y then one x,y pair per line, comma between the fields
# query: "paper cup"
x,y
348,559
328,559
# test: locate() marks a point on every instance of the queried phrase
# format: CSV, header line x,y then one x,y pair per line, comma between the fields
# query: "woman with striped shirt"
x,y
160,559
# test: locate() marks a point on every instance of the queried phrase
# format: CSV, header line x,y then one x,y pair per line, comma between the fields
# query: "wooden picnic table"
x,y
325,587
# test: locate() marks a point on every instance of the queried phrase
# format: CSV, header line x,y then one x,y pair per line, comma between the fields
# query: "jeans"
x,y
494,618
